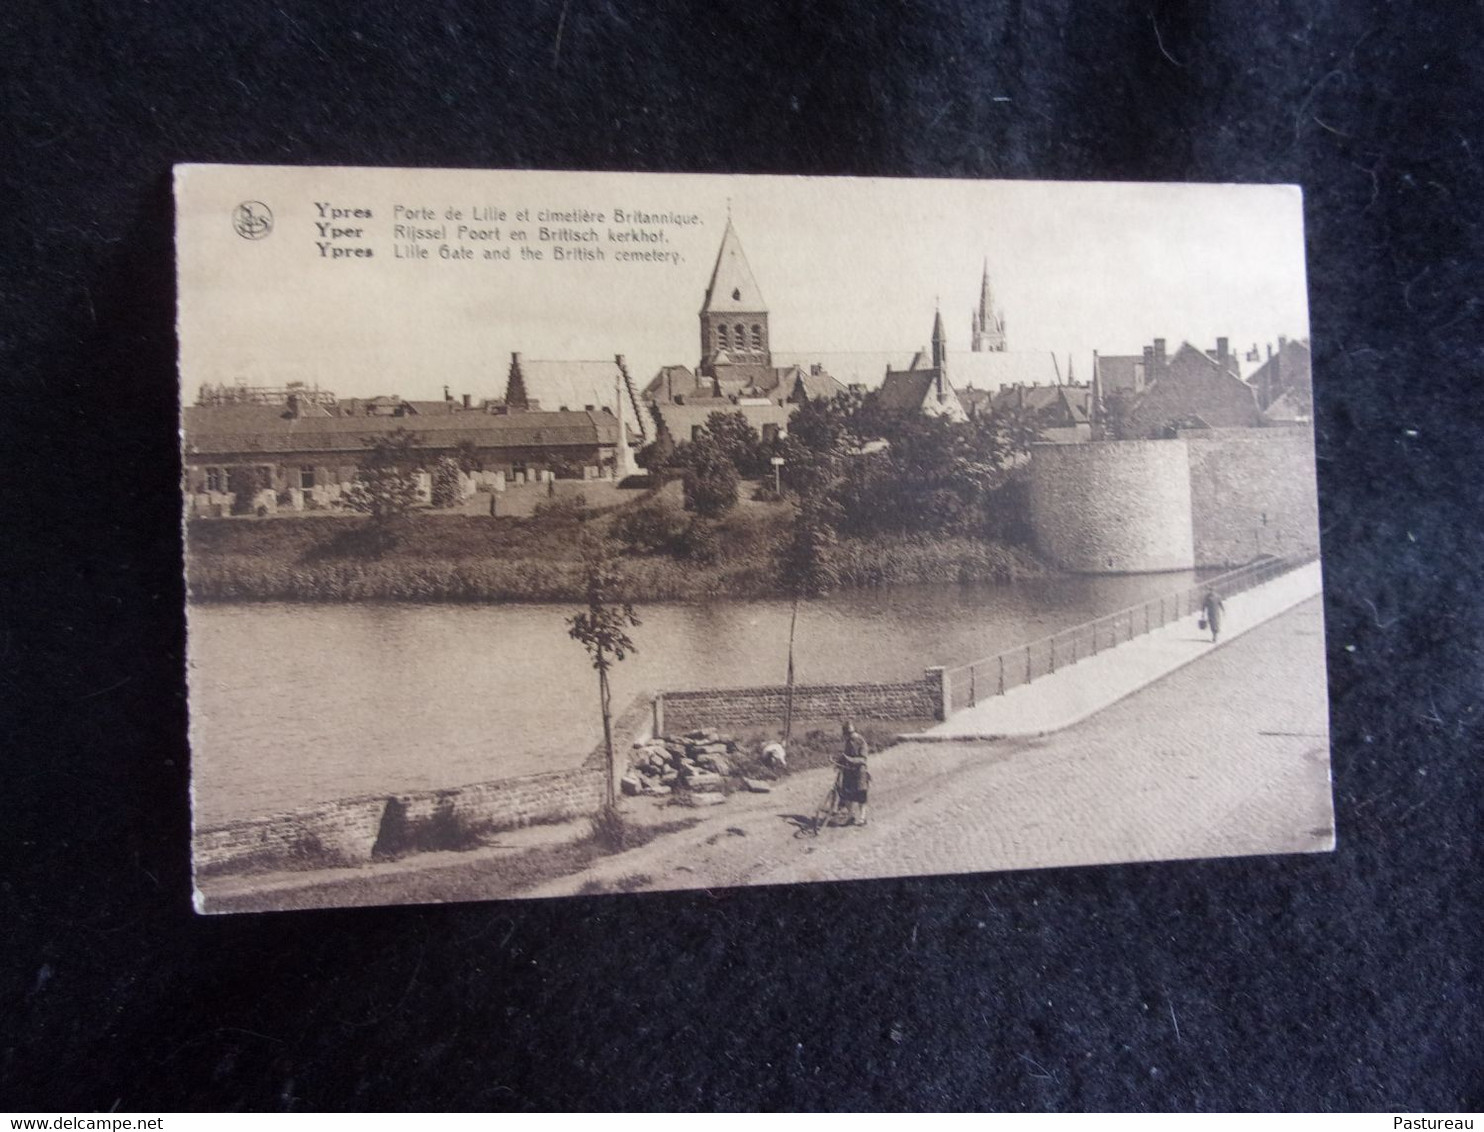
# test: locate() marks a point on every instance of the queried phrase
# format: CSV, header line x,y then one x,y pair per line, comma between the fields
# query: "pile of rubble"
x,y
702,765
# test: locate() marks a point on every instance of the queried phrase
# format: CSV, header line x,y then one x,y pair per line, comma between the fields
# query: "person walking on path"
x,y
1212,607
855,778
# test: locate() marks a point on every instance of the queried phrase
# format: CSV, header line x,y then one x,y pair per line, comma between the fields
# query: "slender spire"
x,y
940,347
988,323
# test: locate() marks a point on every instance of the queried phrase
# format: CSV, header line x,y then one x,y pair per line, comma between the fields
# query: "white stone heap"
x,y
697,766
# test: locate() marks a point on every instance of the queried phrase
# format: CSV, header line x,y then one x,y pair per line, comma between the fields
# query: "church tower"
x,y
989,323
734,318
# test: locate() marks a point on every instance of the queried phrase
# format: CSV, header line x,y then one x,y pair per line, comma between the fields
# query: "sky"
x,y
844,264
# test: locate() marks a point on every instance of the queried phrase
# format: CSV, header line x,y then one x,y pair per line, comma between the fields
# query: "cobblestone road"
x,y
1226,756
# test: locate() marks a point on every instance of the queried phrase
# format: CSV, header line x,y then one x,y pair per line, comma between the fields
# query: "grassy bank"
x,y
478,873
459,558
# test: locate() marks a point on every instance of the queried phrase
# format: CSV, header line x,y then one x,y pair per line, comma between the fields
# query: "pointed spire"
x,y
988,323
940,342
732,288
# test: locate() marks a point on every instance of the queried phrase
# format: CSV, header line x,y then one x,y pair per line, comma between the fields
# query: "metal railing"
x,y
967,684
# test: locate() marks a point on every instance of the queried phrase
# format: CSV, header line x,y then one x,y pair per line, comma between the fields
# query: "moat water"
x,y
293,704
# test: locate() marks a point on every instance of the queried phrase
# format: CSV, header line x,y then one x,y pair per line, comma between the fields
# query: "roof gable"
x,y
905,390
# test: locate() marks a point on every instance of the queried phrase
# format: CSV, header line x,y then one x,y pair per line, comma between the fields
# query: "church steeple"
x,y
734,318
942,388
988,323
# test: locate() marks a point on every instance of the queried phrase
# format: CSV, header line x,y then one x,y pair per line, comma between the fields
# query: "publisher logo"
x,y
252,219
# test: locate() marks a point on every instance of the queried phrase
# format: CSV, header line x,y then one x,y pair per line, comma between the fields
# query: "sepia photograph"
x,y
556,534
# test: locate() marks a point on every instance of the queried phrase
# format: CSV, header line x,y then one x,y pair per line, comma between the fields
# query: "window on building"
x,y
741,337
721,336
770,433
306,476
216,479
757,336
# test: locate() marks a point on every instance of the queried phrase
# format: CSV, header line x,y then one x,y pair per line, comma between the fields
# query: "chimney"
x,y
1222,354
467,400
1148,366
514,358
447,396
1159,353
294,411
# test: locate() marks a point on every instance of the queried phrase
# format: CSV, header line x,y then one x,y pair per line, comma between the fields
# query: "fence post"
x,y
937,682
1027,664
1002,674
973,685
657,706
1053,655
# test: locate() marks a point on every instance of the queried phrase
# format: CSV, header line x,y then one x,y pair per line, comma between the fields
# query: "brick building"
x,y
309,454
1154,395
1284,382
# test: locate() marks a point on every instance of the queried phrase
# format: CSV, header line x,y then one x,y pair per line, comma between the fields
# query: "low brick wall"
x,y
740,707
354,830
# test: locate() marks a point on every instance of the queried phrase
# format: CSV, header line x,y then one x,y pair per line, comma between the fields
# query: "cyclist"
x,y
855,778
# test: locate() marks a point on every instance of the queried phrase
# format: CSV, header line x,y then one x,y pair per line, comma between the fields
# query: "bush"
x,y
562,508
655,526
698,542
710,480
446,482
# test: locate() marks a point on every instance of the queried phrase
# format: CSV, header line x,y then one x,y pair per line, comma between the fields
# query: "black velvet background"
x,y
1343,981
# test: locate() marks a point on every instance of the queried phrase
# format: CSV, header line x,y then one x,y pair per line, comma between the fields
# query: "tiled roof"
x,y
864,367
229,429
814,386
732,288
1066,404
1289,408
1295,365
906,390
671,380
680,420
571,385
1119,372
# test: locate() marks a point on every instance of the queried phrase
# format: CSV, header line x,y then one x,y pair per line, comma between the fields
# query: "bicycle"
x,y
830,807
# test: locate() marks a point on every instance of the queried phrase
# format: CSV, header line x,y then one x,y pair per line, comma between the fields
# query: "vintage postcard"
x,y
559,533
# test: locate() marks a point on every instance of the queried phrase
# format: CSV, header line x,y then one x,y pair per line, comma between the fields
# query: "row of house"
x,y
565,418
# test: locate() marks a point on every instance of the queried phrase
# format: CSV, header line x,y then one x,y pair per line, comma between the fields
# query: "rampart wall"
x,y
354,830
1207,498
1252,492
742,707
1113,507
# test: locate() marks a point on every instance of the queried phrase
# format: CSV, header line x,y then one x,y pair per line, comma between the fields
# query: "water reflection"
x,y
293,704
